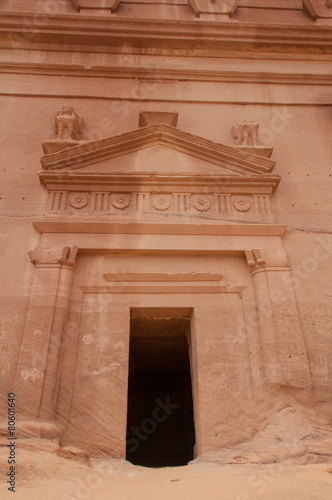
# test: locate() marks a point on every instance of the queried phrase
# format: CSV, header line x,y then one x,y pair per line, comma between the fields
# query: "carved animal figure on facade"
x,y
68,124
246,133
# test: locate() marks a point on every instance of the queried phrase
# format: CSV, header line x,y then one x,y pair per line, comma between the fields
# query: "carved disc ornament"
x,y
242,205
202,203
162,202
78,200
120,201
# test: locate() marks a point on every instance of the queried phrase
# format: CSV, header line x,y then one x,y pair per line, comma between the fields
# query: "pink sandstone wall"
x,y
302,201
288,93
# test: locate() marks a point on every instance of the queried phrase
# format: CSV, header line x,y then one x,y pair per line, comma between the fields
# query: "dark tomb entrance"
x,y
160,423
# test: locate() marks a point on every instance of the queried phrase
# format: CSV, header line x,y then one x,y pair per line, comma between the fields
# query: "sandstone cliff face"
x,y
144,202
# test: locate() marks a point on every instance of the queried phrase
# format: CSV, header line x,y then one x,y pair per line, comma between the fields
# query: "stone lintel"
x,y
96,227
156,277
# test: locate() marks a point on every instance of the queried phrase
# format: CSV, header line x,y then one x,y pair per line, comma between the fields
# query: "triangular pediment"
x,y
156,149
157,159
155,172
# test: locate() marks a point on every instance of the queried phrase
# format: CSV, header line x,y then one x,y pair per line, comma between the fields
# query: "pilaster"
x,y
282,340
35,381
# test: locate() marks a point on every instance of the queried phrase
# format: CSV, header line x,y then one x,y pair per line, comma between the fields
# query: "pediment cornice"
x,y
157,172
92,152
318,8
266,183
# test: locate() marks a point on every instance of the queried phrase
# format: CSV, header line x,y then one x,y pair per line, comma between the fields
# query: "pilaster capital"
x,y
71,256
254,259
266,258
51,256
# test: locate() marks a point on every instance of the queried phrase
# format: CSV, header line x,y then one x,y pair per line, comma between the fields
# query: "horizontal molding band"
x,y
148,229
161,288
172,91
155,75
158,277
88,30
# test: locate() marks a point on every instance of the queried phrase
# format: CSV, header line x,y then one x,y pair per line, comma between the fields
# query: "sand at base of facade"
x,y
46,476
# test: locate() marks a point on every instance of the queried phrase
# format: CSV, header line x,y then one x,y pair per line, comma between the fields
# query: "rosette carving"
x,y
162,202
242,205
120,201
202,203
78,200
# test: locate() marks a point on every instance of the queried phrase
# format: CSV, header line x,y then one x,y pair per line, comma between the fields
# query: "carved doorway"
x,y
160,422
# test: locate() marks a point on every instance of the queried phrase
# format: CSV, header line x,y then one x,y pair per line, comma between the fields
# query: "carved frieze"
x,y
202,203
120,201
78,200
158,170
242,204
213,204
162,202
